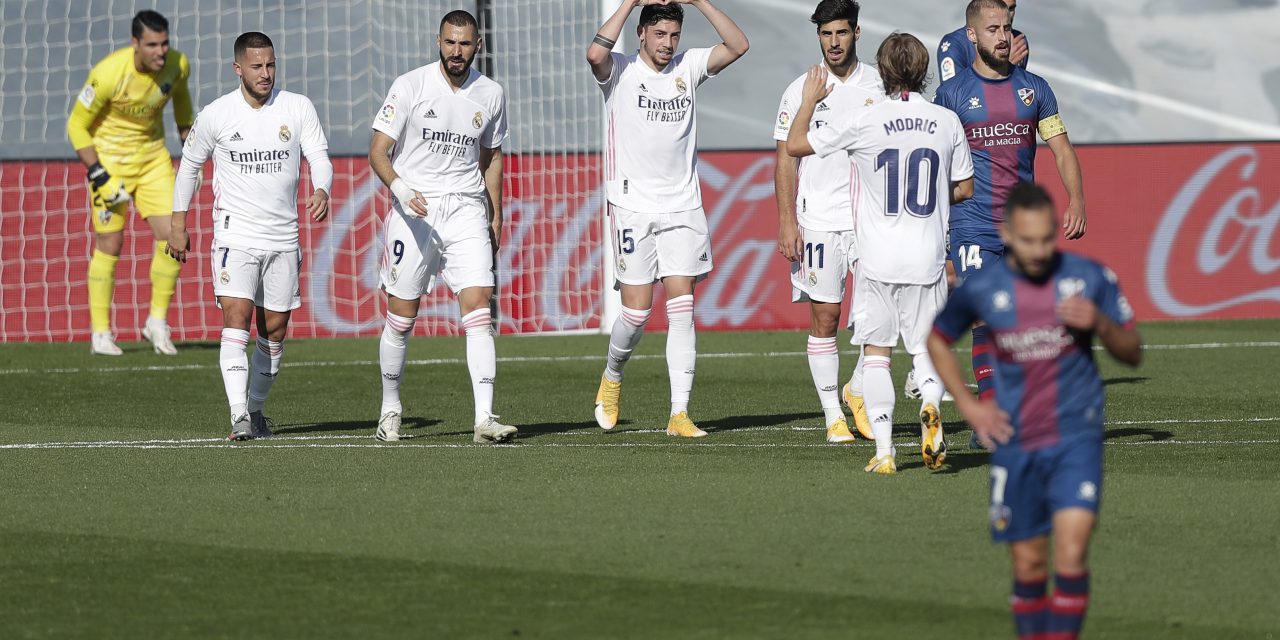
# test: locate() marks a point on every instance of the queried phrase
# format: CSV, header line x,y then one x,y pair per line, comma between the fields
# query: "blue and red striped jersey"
x,y
1045,373
1001,119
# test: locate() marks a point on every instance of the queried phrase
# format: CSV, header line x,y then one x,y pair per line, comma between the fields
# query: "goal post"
x,y
344,57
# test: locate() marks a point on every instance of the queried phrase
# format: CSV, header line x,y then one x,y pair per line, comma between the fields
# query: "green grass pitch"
x,y
143,522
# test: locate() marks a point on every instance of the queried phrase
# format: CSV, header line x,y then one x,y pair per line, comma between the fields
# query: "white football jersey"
x,y
823,189
256,155
651,162
439,132
907,152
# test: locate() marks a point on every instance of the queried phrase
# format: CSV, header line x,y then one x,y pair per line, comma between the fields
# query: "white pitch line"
x,y
262,445
305,441
536,359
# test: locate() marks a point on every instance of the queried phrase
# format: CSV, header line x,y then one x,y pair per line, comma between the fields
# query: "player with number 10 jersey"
x,y
912,162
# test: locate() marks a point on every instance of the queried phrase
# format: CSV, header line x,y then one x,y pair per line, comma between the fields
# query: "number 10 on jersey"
x,y
893,204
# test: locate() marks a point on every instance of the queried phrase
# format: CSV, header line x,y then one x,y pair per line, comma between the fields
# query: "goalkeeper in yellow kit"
x,y
116,126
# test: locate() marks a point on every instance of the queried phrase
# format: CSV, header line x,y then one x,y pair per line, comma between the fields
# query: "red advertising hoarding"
x,y
1191,229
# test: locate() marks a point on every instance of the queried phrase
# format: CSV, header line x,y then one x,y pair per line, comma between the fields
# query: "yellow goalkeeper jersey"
x,y
120,110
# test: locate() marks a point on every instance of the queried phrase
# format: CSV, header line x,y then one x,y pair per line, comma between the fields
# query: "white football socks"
x,y
392,348
623,338
235,368
879,396
482,360
824,367
266,366
682,351
855,381
928,380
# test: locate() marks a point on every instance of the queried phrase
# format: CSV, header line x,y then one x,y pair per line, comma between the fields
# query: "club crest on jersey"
x,y
1001,515
1027,95
1068,287
622,265
680,85
1000,301
225,277
813,278
869,102
393,275
477,120
284,133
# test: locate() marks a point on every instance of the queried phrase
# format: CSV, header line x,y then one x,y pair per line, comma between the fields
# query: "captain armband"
x,y
1052,126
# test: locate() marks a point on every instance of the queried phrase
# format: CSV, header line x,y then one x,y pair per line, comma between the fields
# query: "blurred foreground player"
x,y
116,127
437,144
257,136
651,181
1044,308
816,211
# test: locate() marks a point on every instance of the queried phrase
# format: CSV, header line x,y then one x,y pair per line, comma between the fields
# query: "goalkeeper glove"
x,y
107,192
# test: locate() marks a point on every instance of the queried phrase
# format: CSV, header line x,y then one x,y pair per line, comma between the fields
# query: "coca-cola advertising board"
x,y
1191,229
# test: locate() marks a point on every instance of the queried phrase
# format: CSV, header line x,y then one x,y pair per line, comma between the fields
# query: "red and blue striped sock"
x,y
1067,607
983,372
1030,604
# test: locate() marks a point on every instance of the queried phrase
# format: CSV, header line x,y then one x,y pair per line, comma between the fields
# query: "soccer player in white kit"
x,y
446,123
913,161
257,136
655,203
815,210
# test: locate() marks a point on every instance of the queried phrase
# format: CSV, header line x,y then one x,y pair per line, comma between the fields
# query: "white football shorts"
x,y
268,278
648,247
451,241
882,312
826,260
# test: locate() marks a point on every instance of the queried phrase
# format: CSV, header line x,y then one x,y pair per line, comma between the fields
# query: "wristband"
x,y
604,42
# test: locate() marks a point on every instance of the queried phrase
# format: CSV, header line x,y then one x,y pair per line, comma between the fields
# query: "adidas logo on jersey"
x,y
644,88
431,113
704,257
822,106
236,137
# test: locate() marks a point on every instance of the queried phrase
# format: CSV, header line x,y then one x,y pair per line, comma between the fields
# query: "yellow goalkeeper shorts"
x,y
150,185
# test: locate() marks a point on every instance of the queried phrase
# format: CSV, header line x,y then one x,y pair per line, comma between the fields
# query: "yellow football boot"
x,y
607,403
883,466
933,446
859,410
681,425
838,432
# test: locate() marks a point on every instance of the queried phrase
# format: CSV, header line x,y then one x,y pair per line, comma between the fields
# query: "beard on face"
x,y
252,89
466,66
989,57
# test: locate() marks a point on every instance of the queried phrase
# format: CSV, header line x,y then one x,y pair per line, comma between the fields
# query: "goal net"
x,y
344,57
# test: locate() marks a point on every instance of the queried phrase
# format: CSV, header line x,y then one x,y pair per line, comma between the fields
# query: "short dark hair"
x,y
460,18
1027,196
152,20
975,8
903,62
832,10
251,40
652,14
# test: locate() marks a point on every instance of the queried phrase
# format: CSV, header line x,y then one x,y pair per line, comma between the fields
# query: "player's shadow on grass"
x,y
730,423
1125,380
202,345
1142,433
409,426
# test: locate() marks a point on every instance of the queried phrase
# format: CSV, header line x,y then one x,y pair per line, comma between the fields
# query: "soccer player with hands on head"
x,y
1045,426
660,230
816,210
116,127
912,162
256,136
437,144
